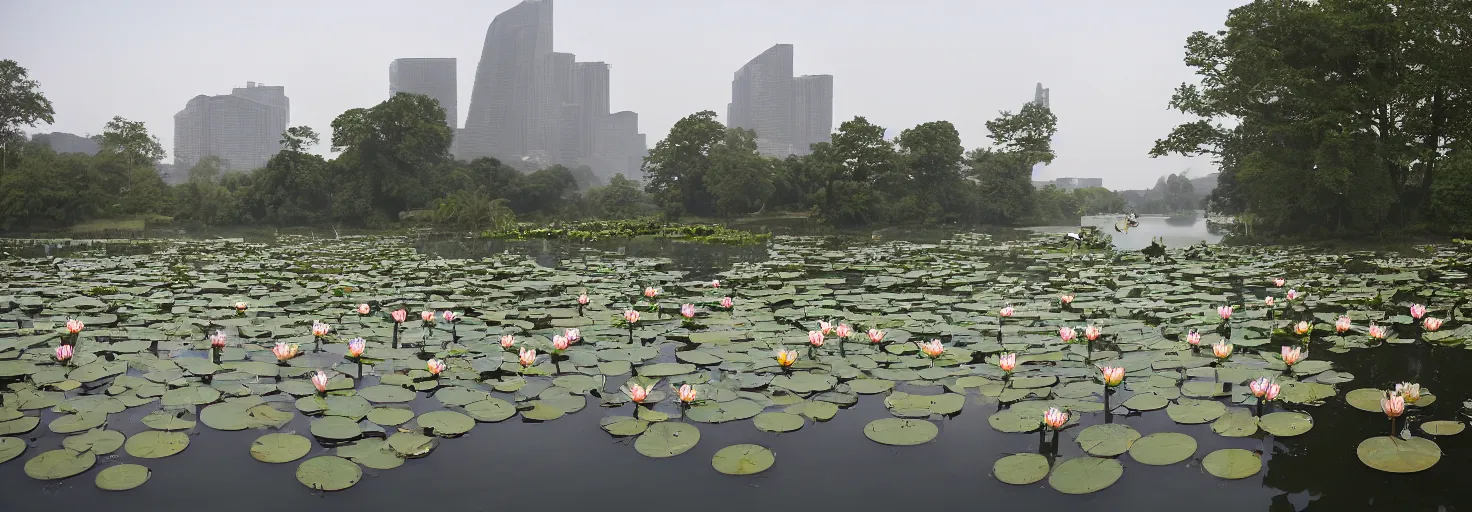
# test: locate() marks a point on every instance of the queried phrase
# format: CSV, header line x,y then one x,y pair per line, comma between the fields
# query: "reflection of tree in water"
x,y
1322,466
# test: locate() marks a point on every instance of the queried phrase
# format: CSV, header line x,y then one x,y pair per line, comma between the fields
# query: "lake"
x,y
850,426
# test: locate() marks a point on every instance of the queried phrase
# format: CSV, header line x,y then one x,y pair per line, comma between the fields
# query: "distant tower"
x,y
434,77
1040,96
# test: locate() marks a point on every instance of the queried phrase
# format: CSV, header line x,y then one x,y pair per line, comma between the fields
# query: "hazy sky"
x,y
1111,65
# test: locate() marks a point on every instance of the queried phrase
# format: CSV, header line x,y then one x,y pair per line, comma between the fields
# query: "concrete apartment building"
x,y
813,110
787,113
242,128
433,77
512,108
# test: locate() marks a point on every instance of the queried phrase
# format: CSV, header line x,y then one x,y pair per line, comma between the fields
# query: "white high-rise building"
x,y
242,128
813,122
513,107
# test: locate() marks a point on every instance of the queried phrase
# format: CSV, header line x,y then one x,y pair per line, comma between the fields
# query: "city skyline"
x,y
1115,66
243,128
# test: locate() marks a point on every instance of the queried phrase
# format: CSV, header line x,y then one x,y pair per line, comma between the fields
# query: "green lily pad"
x,y
156,444
446,423
382,394
101,442
1286,424
280,448
1237,422
1191,412
165,419
19,425
1107,440
336,428
73,423
901,431
667,439
817,411
743,459
803,382
623,426
1015,421
1021,468
1232,463
721,412
490,410
122,477
870,386
1163,448
1396,455
190,395
328,473
666,369
460,396
12,447
778,422
542,412
1443,428
1083,475
59,464
389,416
1146,402
1365,399
411,444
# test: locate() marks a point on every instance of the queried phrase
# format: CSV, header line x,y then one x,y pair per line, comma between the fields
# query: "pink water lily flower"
x,y
1007,312
285,350
74,326
843,331
932,348
507,341
1092,332
786,358
1264,388
875,335
687,311
815,338
1225,312
1301,328
319,381
320,329
1431,323
363,309
715,283
1378,332
583,299
241,306
64,353
1343,324
1054,418
435,366
1291,295
1292,355
560,342
526,357
1007,362
1067,334
1410,392
1393,405
573,334
356,346
449,316
1113,375
651,292
217,340
1270,301
825,327
687,393
631,316
1066,299
637,393
1418,311
727,303
1193,337
1279,282
1221,350
399,315
426,316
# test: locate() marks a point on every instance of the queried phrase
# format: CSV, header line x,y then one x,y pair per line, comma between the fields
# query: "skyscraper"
x,y
592,93
813,105
622,147
1040,96
243,128
433,77
762,100
512,108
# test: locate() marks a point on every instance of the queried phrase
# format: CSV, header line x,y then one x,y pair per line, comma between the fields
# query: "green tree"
x,y
1004,172
130,142
21,104
932,187
392,154
740,178
299,139
620,199
848,166
676,169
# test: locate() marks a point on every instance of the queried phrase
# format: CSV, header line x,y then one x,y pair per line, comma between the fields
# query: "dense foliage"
x,y
1333,117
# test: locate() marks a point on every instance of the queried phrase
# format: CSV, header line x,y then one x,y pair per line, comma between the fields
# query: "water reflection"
x,y
1176,231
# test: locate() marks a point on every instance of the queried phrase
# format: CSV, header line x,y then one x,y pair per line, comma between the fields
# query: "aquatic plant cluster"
x,y
348,332
614,229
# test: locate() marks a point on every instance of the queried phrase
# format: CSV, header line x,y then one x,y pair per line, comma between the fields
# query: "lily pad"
x,y
1286,424
666,439
778,422
1365,399
101,442
19,425
623,426
721,412
1443,427
328,473
165,419
73,423
389,416
490,410
743,459
1021,468
1015,421
1237,422
1193,412
1146,402
1163,448
280,448
1396,455
411,444
59,464
446,423
1107,439
156,444
382,394
1083,475
901,431
870,386
1232,463
12,447
336,428
122,477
